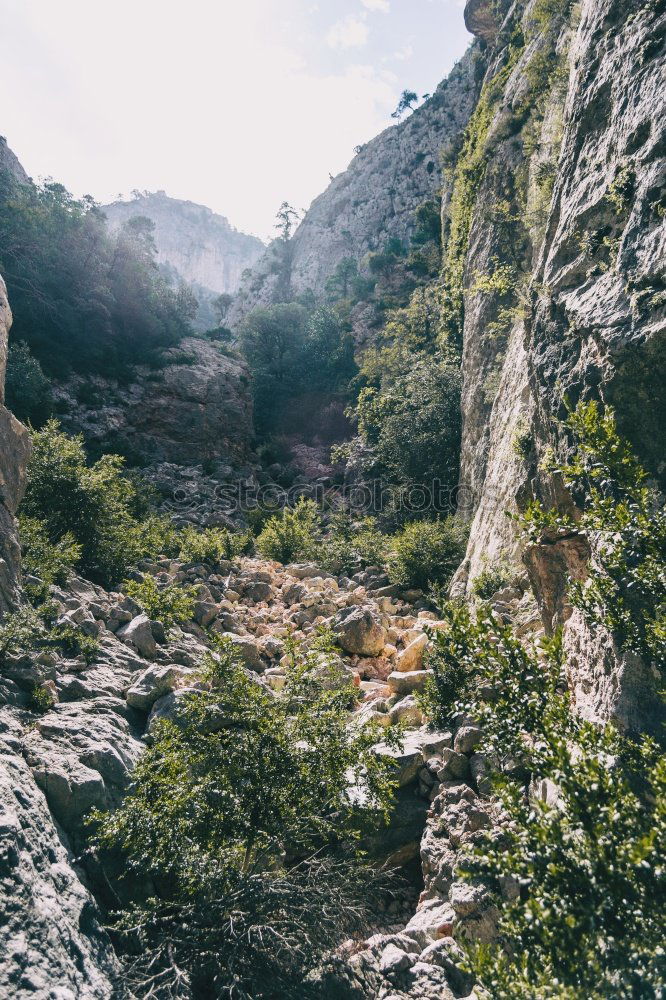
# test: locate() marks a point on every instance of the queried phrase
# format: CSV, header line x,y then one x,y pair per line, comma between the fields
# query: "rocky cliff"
x,y
201,246
14,452
52,939
195,409
376,197
568,204
10,162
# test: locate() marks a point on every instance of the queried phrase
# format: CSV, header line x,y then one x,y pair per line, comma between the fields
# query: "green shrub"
x,y
290,535
584,862
588,862
74,642
409,416
41,699
20,632
427,553
156,535
172,604
249,834
212,545
625,519
491,579
350,547
27,389
50,561
522,440
91,504
83,298
29,630
449,663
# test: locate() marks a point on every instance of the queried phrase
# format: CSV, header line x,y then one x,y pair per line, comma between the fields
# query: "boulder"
x,y
434,919
249,650
156,682
359,631
411,657
138,634
258,591
394,960
294,593
405,683
205,613
406,711
467,739
454,765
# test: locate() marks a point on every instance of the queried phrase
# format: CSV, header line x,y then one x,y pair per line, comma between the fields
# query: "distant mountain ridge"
x,y
192,240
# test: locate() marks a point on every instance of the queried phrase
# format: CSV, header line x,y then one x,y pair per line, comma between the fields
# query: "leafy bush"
x,y
294,352
93,505
249,834
409,416
211,545
28,630
172,604
290,535
27,389
427,553
41,699
583,862
156,534
350,547
20,632
491,579
74,642
625,519
50,561
588,860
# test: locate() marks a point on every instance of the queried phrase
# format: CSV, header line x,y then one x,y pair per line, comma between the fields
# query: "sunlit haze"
x,y
238,106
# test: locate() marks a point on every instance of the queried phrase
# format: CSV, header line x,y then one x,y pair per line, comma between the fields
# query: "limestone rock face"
x,y
201,246
197,408
590,323
376,197
53,942
9,162
482,18
14,453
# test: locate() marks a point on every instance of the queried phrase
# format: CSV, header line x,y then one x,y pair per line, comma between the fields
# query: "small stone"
x,y
138,634
404,683
411,657
394,960
407,711
454,765
467,739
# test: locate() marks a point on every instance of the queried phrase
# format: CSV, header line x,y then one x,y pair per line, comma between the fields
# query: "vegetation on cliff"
x,y
83,300
578,868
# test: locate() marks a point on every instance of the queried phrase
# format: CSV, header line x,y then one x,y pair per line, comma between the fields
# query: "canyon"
x,y
554,123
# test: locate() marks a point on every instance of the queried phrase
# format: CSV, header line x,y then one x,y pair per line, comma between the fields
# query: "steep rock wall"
x,y
10,162
52,939
14,452
589,260
376,197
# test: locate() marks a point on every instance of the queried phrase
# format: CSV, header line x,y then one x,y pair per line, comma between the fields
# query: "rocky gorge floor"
x,y
79,754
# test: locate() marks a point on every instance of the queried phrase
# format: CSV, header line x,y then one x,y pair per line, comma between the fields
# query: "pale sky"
x,y
236,105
